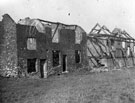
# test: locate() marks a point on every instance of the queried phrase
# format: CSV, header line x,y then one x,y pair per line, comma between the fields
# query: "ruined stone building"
x,y
35,47
110,49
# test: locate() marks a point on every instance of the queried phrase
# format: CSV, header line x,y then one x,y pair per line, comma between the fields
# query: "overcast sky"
x,y
86,13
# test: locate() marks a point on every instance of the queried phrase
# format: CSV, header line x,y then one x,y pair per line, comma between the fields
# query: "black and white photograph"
x,y
67,51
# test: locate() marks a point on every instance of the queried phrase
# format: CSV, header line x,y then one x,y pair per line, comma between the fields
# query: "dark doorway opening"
x,y
43,67
56,58
31,65
77,56
64,63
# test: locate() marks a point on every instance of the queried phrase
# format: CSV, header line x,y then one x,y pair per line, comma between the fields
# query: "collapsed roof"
x,y
102,31
41,24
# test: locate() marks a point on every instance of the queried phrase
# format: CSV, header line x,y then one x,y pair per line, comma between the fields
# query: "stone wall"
x,y
8,46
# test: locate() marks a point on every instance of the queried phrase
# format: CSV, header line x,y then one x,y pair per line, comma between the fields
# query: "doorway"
x,y
77,56
43,68
56,58
64,63
31,65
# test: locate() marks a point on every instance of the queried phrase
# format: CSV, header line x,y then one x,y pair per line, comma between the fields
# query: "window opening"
x,y
31,44
77,56
31,65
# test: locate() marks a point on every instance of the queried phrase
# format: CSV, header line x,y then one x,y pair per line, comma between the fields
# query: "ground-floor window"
x,y
56,58
31,65
77,56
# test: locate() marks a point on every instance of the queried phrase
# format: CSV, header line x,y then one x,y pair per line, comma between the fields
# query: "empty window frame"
x,y
31,44
56,35
77,56
78,37
56,58
31,65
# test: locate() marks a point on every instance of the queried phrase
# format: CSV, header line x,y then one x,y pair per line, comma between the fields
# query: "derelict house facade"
x,y
46,48
114,49
42,48
34,47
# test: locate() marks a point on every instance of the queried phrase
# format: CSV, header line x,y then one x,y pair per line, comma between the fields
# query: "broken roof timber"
x,y
98,29
103,31
109,36
55,22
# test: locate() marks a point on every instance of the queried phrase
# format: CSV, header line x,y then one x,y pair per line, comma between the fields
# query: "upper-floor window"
x,y
78,37
55,34
31,44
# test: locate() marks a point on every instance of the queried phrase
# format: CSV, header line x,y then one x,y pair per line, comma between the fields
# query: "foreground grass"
x,y
106,87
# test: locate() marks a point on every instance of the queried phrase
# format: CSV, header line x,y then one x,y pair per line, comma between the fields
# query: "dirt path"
x,y
106,87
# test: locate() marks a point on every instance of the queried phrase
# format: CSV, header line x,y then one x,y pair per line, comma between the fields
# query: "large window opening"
x,y
31,65
56,58
77,56
31,44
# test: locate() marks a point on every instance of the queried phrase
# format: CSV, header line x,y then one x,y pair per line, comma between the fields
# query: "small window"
x,y
31,44
77,56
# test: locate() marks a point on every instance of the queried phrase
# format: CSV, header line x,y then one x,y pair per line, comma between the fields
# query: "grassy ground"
x,y
105,87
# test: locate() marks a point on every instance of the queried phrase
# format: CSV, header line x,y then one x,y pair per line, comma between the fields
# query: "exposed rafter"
x,y
98,29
